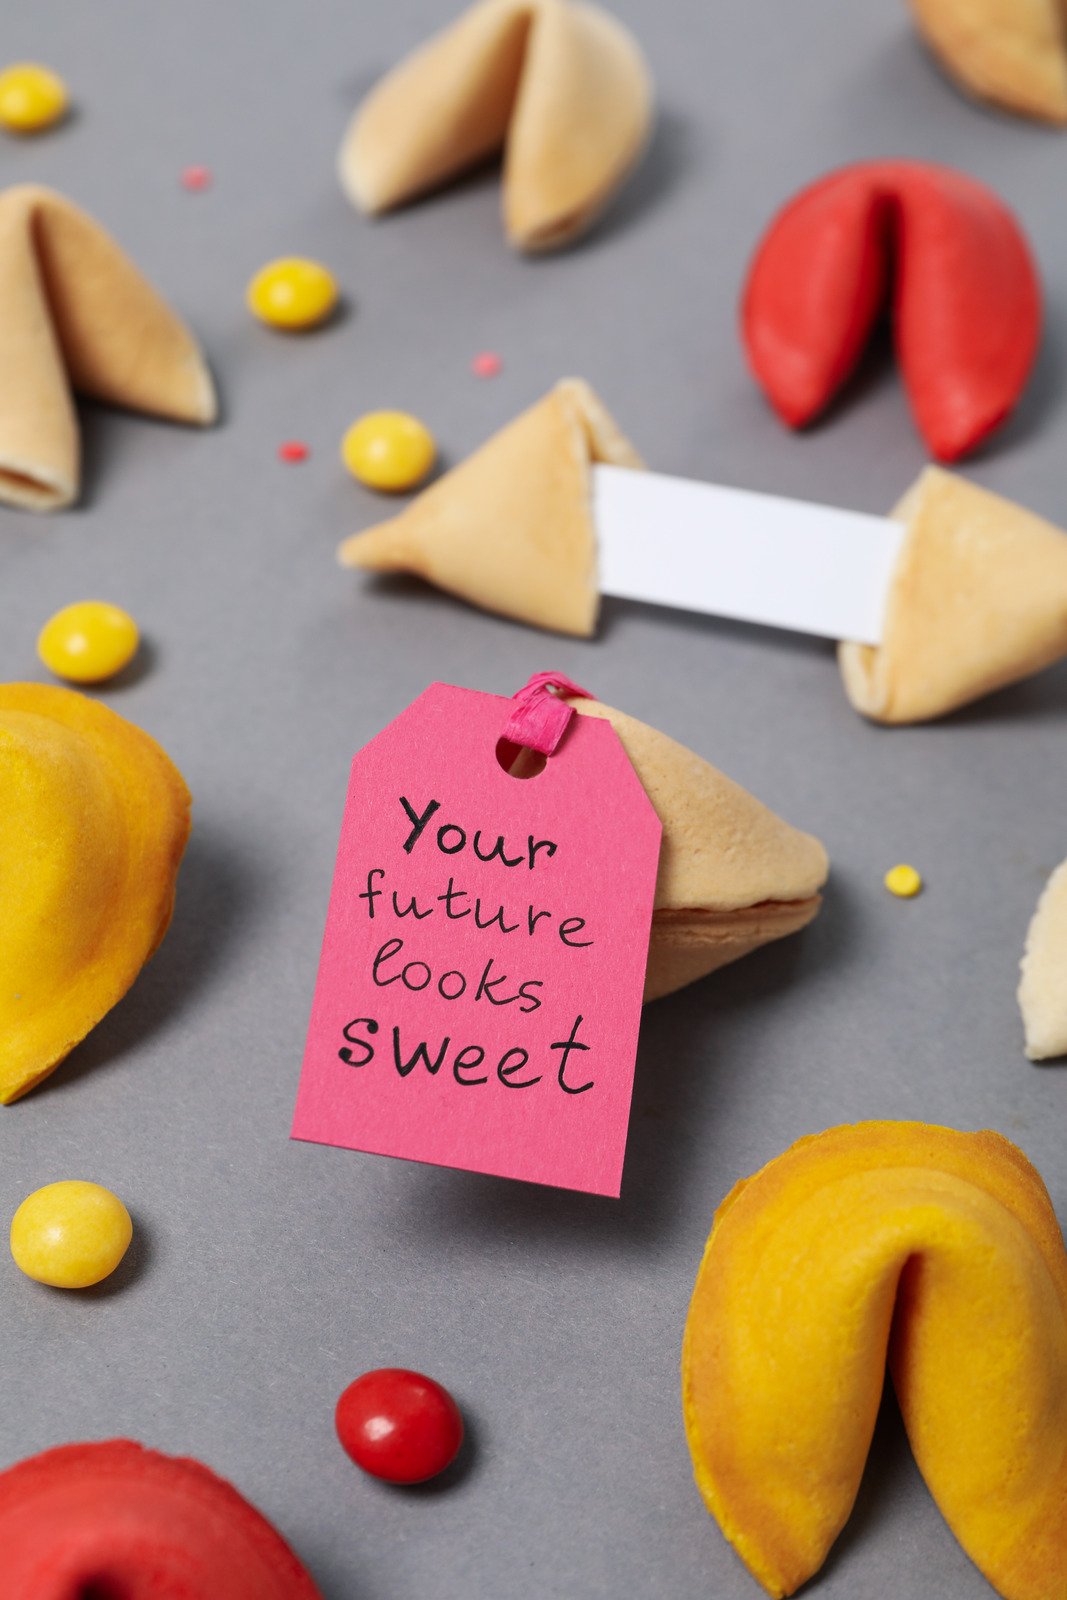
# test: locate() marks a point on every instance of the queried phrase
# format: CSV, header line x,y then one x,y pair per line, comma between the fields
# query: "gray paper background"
x,y
267,1274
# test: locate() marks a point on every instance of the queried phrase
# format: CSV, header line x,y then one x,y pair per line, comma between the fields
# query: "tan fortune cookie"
x,y
1012,53
78,315
559,85
977,600
1043,980
511,528
732,875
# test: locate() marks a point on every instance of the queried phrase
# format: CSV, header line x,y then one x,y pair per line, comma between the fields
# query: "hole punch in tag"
x,y
478,999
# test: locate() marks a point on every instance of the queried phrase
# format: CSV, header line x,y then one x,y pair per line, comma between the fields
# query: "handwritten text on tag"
x,y
479,992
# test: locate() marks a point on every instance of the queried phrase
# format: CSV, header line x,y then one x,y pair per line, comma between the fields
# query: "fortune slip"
x,y
734,553
479,992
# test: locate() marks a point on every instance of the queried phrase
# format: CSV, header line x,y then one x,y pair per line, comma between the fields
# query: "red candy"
x,y
486,365
399,1425
116,1519
195,178
293,450
965,297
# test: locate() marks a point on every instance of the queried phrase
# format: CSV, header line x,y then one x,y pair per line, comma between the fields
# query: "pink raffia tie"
x,y
539,717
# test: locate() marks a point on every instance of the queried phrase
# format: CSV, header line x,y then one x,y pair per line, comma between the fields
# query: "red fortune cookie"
x,y
115,1518
938,248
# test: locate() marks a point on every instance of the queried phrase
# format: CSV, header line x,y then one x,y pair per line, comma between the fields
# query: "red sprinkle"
x,y
195,178
293,450
487,364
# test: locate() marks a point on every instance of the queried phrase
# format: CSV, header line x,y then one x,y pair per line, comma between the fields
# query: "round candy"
x,y
31,97
292,292
389,450
399,1425
88,641
903,881
70,1234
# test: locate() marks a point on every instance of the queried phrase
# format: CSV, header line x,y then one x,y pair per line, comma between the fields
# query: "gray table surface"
x,y
267,1274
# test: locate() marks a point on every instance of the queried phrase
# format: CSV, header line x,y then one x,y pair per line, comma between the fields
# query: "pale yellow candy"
x,y
88,641
389,450
70,1234
31,97
292,292
903,881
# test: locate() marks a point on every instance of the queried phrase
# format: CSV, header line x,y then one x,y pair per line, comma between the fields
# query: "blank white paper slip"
x,y
734,553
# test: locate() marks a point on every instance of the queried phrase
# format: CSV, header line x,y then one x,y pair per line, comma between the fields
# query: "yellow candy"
x,y
31,97
292,292
70,1234
88,642
389,450
903,881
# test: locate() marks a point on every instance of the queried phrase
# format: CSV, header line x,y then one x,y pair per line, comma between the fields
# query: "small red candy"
x,y
487,364
399,1425
196,178
293,450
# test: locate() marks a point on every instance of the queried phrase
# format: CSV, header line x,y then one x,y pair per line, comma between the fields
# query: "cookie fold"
x,y
939,1250
948,255
1043,978
1012,53
511,528
112,1518
732,875
978,600
95,821
560,86
78,315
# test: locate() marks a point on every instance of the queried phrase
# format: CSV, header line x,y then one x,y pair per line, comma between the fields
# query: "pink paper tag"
x,y
479,994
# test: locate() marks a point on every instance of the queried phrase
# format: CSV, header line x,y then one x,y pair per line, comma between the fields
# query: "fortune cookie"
x,y
559,85
978,600
114,1519
1012,53
732,875
95,818
939,1250
1043,982
966,299
78,316
511,528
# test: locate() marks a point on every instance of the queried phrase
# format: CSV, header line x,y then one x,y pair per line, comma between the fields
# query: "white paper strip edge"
x,y
733,553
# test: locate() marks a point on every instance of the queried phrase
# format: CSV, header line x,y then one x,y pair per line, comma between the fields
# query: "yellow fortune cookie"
x,y
389,450
95,820
934,1252
293,293
88,641
70,1234
31,97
